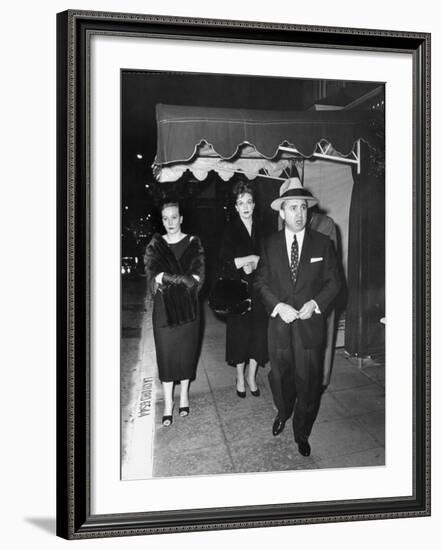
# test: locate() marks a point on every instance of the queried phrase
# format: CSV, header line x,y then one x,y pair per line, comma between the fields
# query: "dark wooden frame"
x,y
74,519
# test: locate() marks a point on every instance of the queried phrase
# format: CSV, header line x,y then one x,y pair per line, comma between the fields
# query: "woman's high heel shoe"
x,y
255,393
184,411
239,393
167,419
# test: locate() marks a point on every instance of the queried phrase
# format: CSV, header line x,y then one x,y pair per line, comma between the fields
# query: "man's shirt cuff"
x,y
274,312
317,310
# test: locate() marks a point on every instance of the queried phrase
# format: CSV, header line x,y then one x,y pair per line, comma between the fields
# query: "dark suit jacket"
x,y
318,280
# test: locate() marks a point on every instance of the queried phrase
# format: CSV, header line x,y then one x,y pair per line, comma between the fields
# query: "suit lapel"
x,y
305,255
284,261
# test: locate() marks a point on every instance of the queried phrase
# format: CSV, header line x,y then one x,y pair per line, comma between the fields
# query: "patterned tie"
x,y
294,259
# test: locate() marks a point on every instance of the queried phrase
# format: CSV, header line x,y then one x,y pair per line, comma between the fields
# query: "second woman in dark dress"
x,y
246,335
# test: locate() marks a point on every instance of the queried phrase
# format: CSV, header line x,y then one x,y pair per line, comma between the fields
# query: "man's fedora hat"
x,y
293,189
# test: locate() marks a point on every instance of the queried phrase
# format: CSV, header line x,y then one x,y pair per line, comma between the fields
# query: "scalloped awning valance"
x,y
201,139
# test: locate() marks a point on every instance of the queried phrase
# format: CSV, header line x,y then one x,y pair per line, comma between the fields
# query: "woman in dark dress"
x,y
175,273
246,335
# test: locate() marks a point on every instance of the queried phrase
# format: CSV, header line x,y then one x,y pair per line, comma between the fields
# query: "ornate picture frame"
x,y
76,518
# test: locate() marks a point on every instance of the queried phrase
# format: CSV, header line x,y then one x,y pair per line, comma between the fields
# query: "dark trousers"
x,y
295,376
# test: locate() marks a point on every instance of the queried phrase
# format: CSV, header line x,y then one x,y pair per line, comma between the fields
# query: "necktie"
x,y
294,259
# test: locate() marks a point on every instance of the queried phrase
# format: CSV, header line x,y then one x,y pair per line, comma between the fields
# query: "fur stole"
x,y
180,302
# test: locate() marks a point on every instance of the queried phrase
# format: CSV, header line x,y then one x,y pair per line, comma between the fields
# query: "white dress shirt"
x,y
289,236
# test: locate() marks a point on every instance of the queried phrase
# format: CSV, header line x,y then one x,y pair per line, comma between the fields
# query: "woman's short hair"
x,y
169,202
242,187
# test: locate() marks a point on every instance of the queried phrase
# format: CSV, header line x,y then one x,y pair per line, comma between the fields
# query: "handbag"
x,y
230,297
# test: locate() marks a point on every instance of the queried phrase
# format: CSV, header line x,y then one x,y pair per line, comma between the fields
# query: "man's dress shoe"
x,y
304,448
278,426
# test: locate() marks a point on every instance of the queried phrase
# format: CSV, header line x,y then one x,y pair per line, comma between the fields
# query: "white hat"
x,y
292,189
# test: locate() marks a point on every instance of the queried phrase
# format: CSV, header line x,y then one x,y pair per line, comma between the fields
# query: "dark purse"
x,y
230,297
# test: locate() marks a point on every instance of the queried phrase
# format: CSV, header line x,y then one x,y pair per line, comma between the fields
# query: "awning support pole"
x,y
257,175
358,154
322,155
337,159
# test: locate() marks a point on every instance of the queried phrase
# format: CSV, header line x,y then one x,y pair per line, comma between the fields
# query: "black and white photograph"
x,y
243,255
253,312
221,272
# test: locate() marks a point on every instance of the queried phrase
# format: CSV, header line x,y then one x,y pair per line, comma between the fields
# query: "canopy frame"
x,y
322,153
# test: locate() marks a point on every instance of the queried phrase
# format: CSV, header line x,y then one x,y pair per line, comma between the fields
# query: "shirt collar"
x,y
290,234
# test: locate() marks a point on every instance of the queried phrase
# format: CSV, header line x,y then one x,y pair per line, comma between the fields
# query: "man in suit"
x,y
297,279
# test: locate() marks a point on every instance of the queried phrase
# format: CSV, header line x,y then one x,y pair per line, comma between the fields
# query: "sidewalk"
x,y
226,434
132,320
